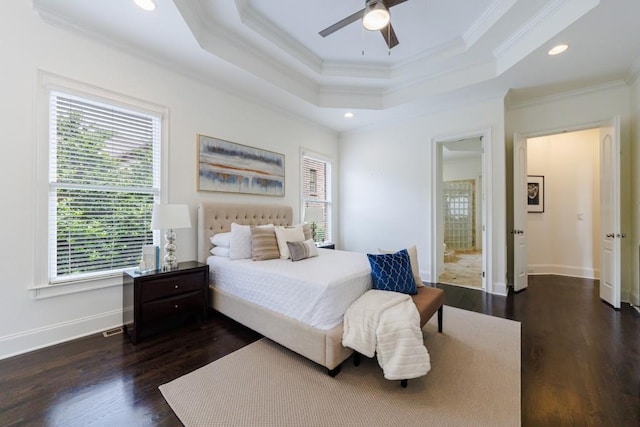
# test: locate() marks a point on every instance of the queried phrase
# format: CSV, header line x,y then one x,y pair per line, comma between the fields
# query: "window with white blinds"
x,y
316,185
104,177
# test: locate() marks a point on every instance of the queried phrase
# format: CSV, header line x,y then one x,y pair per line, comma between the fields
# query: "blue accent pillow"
x,y
392,272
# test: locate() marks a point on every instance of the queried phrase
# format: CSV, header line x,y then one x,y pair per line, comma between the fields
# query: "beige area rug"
x,y
474,381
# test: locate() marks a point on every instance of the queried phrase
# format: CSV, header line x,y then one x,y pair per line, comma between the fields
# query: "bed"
x,y
314,332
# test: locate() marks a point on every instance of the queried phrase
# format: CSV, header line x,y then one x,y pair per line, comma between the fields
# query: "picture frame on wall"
x,y
235,168
535,193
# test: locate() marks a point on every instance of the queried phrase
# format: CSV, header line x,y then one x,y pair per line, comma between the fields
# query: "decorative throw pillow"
x,y
392,272
413,258
220,251
240,241
264,244
302,250
221,239
288,234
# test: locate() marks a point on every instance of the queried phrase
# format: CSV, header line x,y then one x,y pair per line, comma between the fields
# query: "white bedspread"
x,y
388,324
316,291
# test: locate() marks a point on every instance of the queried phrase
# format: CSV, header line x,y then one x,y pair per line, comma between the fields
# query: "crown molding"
x,y
488,19
558,96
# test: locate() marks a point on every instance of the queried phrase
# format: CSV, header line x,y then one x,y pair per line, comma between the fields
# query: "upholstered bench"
x,y
428,301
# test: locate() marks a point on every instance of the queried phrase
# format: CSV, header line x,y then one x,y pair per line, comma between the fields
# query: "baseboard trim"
x,y
563,270
34,339
500,288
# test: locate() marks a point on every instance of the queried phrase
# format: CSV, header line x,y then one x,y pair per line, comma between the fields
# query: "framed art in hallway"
x,y
235,168
535,193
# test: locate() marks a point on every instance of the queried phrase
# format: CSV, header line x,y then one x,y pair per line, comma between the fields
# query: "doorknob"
x,y
622,235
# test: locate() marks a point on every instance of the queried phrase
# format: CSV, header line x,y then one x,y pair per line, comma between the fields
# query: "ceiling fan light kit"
x,y
376,15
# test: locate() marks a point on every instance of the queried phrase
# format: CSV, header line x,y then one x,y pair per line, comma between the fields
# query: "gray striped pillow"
x,y
264,245
302,250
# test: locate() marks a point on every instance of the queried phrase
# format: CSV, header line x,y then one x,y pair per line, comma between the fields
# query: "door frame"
x,y
549,132
437,224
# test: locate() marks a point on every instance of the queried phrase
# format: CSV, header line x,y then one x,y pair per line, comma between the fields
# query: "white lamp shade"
x,y
166,217
376,16
313,214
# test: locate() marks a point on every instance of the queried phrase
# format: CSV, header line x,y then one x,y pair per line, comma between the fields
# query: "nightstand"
x,y
163,299
326,245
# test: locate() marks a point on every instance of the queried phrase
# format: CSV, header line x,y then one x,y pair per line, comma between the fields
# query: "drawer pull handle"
x,y
176,306
176,286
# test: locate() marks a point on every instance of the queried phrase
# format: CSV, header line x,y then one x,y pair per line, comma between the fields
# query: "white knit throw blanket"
x,y
387,324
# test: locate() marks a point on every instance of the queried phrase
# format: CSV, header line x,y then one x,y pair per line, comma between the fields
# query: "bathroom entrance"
x,y
460,206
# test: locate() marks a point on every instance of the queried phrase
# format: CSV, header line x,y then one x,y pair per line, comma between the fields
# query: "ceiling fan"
x,y
375,16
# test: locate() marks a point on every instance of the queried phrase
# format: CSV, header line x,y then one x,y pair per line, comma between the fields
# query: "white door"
x,y
519,232
610,213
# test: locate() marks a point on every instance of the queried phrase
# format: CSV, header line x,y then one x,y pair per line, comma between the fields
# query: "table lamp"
x,y
170,217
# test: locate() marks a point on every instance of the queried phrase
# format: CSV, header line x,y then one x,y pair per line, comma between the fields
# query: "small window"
x,y
104,177
316,176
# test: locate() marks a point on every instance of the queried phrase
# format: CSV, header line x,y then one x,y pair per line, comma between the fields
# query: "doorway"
x,y
460,212
605,253
563,222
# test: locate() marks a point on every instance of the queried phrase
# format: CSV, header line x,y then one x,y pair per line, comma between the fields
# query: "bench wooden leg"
x,y
440,318
356,358
403,383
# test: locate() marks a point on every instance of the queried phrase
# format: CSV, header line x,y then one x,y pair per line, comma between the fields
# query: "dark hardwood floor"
x,y
580,363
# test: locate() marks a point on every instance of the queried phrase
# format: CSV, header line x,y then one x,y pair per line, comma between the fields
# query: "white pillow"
x,y
220,251
413,259
240,241
288,234
221,239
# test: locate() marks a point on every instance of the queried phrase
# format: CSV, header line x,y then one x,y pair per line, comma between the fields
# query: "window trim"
x,y
47,82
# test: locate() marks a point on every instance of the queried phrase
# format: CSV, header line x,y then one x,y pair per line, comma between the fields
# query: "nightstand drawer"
x,y
170,306
165,287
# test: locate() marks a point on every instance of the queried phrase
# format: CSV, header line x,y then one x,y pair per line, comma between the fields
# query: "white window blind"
x,y
104,177
316,184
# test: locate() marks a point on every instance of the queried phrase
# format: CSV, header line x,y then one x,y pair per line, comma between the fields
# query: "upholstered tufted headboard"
x,y
217,218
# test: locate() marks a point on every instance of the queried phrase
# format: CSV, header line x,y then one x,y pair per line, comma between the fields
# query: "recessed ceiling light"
x,y
146,4
348,114
558,49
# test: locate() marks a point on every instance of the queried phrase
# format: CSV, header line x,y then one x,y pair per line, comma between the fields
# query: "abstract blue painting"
x,y
236,168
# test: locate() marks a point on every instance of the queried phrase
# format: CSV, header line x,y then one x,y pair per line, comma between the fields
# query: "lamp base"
x,y
170,261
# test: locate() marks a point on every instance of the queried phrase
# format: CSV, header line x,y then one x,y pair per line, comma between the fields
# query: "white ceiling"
x,y
450,52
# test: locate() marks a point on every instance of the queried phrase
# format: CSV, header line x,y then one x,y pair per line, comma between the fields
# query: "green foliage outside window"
x,y
103,211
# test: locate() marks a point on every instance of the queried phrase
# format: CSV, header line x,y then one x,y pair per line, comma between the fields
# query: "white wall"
x,y
564,239
30,45
574,111
386,184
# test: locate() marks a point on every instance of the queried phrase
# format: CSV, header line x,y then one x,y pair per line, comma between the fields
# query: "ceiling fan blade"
x,y
389,36
391,3
342,23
